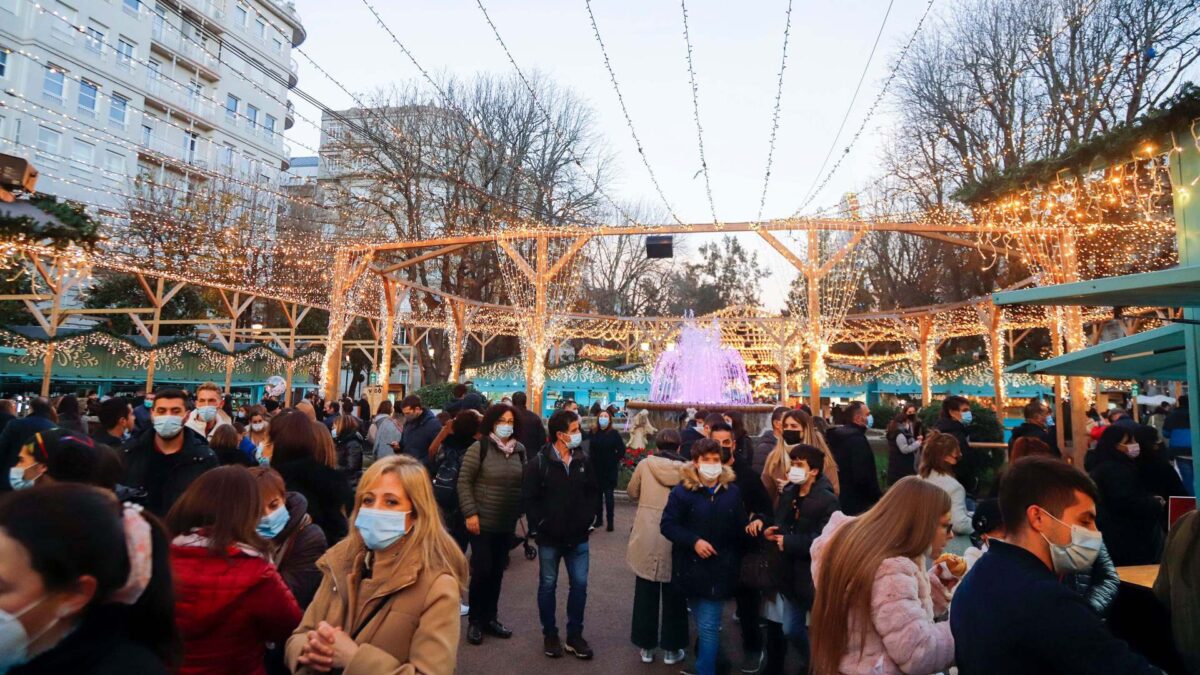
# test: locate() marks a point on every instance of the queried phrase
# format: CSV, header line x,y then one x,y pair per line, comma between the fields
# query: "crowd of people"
x,y
175,532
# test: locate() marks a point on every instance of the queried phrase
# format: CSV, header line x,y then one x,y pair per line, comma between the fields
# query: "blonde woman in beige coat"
x,y
650,555
388,600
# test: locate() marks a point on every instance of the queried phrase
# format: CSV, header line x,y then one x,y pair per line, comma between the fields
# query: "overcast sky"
x,y
736,54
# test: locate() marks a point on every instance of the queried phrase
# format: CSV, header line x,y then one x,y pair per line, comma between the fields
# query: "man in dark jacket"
x,y
757,505
163,461
857,474
956,416
1037,425
465,398
116,423
705,521
559,490
420,428
1010,613
40,418
805,507
692,433
532,431
141,411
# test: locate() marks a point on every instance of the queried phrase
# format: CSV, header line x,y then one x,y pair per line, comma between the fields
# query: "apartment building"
x,y
96,92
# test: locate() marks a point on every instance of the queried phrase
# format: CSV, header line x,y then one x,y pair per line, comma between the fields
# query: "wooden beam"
x,y
785,251
41,318
841,254
141,279
520,260
421,258
567,256
957,241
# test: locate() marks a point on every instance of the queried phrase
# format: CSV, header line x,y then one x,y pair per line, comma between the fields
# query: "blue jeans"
x,y
795,627
707,615
576,559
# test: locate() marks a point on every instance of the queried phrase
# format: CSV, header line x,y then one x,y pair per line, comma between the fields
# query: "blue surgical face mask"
x,y
576,440
15,640
270,525
1077,555
870,421
16,478
380,529
1050,420
207,413
967,417
504,430
168,426
603,422
149,403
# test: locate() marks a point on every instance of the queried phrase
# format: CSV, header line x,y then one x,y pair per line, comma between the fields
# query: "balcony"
x,y
213,10
293,73
171,95
289,10
289,117
173,42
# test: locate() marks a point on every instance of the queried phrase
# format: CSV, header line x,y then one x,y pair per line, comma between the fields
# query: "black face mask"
x,y
792,436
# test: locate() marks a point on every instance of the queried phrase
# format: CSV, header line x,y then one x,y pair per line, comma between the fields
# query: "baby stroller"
x,y
523,540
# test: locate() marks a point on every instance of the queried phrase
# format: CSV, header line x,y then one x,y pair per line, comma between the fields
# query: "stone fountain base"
x,y
666,415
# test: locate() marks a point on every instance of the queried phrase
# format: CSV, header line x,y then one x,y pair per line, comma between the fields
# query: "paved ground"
x,y
606,621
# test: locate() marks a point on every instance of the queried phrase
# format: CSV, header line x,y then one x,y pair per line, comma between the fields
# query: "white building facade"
x,y
96,92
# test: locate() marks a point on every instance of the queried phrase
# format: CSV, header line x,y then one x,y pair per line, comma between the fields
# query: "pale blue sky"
x,y
736,51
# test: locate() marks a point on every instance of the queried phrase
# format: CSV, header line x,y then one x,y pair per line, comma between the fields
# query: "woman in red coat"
x,y
230,602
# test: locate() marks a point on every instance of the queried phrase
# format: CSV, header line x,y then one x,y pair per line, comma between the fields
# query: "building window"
x,y
226,156
3,62
260,29
83,153
241,14
125,52
118,110
269,125
251,117
152,70
94,39
131,6
114,162
189,146
147,135
87,98
278,45
52,85
231,107
47,142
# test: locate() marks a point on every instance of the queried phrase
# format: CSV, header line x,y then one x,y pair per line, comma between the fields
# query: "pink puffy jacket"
x,y
902,637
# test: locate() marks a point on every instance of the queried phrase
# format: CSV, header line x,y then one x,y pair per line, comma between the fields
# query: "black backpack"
x,y
445,478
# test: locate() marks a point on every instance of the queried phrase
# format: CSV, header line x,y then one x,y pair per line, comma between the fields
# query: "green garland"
x,y
1117,145
162,345
74,227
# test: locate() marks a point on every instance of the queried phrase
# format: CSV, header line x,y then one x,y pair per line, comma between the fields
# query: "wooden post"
x,y
1060,431
1185,172
1074,342
59,283
346,273
393,299
458,337
815,358
924,336
992,317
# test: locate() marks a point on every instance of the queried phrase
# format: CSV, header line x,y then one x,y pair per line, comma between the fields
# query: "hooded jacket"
x,y
695,512
403,616
856,468
1128,514
649,553
350,455
901,635
227,608
800,520
194,458
296,549
560,501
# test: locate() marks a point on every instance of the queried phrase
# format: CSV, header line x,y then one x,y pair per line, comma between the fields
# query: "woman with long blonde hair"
x,y
798,428
875,603
397,564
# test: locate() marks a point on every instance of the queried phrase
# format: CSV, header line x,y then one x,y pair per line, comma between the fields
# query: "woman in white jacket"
x,y
649,555
940,454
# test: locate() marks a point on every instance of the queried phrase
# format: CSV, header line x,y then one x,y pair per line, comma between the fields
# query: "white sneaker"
x,y
463,609
671,658
647,655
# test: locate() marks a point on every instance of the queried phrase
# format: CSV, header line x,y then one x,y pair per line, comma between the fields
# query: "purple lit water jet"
x,y
700,370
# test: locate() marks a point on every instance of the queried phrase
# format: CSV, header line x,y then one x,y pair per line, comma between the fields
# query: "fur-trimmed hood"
x,y
689,476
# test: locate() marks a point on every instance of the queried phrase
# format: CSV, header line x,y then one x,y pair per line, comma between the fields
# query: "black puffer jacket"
x,y
1127,513
1099,585
800,520
694,513
350,455
329,496
195,457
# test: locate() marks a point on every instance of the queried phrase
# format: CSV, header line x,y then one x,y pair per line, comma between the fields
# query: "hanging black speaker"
x,y
659,246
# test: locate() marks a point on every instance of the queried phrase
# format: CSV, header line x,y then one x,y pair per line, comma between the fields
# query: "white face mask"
x,y
1079,554
1133,450
797,475
711,472
576,440
258,426
14,641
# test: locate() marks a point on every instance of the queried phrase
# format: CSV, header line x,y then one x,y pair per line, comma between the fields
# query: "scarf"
x,y
507,447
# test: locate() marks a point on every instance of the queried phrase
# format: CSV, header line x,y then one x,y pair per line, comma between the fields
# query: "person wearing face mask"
x,y
388,599
420,428
955,419
1128,514
796,427
938,460
489,498
855,460
877,599
1010,613
208,414
255,441
163,461
805,507
1039,424
706,523
230,601
559,491
41,417
607,450
86,585
116,422
56,456
294,544
904,437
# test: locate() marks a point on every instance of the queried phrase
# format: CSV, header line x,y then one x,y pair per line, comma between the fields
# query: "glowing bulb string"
x,y
687,40
787,31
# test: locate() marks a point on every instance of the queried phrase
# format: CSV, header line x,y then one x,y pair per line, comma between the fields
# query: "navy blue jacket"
x,y
693,513
1012,615
16,432
418,435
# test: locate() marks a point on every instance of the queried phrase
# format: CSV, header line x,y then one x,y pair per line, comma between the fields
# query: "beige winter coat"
x,y
404,617
649,552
